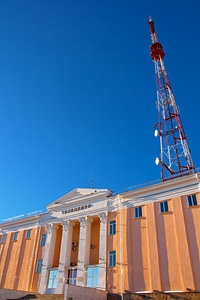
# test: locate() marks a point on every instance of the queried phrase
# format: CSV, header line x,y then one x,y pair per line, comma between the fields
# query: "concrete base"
x,y
83,293
12,294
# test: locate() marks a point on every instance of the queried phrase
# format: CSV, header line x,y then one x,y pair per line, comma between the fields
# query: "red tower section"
x,y
175,158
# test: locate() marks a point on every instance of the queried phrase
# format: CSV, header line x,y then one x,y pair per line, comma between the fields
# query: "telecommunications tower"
x,y
175,157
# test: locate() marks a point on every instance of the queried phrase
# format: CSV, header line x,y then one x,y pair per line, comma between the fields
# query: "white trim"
x,y
159,192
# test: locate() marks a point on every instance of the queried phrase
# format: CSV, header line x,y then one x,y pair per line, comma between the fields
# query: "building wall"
x,y
18,260
158,251
75,239
94,240
38,254
56,254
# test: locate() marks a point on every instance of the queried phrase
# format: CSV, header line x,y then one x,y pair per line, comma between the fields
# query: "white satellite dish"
x,y
157,161
156,133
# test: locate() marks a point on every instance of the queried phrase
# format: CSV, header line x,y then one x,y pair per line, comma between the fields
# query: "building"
x,y
141,240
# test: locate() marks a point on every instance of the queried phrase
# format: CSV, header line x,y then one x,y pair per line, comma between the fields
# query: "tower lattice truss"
x,y
175,157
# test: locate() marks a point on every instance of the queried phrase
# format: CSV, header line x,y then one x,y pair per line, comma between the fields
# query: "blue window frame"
x,y
15,236
72,276
112,258
92,277
138,212
112,228
192,200
28,234
39,266
164,206
53,279
3,238
43,240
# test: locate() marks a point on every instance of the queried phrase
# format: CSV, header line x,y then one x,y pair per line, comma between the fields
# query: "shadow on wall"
x,y
42,297
29,297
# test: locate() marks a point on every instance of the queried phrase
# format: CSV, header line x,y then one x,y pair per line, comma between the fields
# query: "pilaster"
x,y
48,256
84,249
65,253
102,250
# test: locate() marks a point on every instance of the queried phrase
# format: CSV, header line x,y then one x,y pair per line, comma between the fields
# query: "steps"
x,y
43,297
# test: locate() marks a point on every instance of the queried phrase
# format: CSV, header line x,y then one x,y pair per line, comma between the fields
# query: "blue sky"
x,y
77,94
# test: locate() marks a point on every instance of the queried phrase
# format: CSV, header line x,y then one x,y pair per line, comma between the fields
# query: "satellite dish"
x,y
157,161
156,133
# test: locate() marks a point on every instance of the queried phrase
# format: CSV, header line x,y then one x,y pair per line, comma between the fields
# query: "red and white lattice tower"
x,y
175,157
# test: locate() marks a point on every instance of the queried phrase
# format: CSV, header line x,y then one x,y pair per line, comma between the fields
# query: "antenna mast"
x,y
175,158
92,180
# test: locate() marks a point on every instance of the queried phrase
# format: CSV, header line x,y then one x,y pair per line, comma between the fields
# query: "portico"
x,y
75,250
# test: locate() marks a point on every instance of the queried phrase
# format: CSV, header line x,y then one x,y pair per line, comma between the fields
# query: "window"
x,y
138,212
164,206
112,258
28,234
53,279
72,274
39,266
3,238
92,277
15,236
43,239
192,200
112,227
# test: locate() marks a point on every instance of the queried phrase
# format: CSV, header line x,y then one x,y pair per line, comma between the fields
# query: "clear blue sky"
x,y
77,94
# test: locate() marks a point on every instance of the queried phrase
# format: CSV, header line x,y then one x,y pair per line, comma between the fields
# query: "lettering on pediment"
x,y
70,210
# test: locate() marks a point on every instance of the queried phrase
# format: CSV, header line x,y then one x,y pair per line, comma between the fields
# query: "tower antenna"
x,y
175,158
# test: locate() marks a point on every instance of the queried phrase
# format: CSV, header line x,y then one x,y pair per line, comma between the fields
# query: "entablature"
x,y
158,192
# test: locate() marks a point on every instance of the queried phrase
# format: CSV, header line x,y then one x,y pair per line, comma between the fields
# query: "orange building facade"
x,y
138,241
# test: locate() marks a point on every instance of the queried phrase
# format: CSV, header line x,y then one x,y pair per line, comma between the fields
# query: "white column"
x,y
102,250
65,252
84,250
48,256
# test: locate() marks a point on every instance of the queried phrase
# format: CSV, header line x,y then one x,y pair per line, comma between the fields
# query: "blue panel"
x,y
95,271
89,282
89,271
95,281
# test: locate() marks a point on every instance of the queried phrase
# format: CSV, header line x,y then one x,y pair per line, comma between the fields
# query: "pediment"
x,y
78,195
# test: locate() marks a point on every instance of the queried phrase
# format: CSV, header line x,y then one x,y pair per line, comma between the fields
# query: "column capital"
x,y
66,224
51,226
83,221
103,217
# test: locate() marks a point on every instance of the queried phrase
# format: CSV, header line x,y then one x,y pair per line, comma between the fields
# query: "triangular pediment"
x,y
76,195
